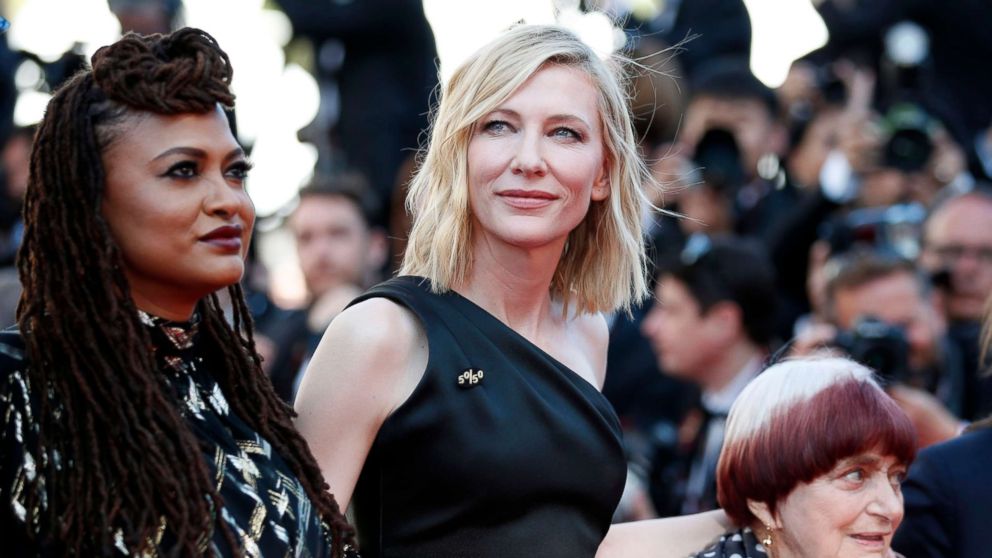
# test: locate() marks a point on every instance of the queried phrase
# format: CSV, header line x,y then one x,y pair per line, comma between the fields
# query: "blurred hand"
x,y
859,137
816,339
816,276
933,422
948,159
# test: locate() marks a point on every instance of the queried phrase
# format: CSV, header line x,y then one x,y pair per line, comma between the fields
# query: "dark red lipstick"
x,y
227,237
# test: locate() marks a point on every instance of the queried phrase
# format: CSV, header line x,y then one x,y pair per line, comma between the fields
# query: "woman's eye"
x,y
184,169
239,170
897,477
856,475
497,127
568,133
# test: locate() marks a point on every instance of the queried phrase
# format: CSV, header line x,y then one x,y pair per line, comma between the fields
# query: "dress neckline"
x,y
180,335
559,364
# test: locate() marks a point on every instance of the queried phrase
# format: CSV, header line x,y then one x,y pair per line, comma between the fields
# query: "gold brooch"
x,y
470,378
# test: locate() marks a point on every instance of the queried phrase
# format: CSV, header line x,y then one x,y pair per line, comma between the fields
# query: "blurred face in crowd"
x,y
537,161
143,17
851,511
686,340
897,300
333,242
16,160
958,239
176,205
754,129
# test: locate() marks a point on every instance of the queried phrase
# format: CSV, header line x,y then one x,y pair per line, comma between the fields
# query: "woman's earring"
x,y
766,541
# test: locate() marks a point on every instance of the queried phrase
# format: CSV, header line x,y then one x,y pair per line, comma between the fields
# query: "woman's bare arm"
x,y
670,537
367,364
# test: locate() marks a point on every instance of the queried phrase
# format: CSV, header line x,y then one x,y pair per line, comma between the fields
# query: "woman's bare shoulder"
x,y
377,321
376,343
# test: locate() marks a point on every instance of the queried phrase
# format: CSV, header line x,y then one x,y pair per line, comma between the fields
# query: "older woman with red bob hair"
x,y
811,463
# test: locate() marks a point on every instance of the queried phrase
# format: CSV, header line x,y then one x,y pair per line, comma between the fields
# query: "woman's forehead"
x,y
149,133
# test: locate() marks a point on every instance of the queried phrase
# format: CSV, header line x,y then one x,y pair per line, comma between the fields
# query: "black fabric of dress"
x,y
500,450
264,503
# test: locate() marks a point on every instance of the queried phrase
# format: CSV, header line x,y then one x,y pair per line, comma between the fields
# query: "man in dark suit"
x,y
948,499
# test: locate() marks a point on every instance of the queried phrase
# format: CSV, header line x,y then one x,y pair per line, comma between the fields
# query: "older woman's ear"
x,y
764,515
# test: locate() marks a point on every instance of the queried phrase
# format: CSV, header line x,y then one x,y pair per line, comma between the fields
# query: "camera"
x,y
908,130
894,229
878,345
719,156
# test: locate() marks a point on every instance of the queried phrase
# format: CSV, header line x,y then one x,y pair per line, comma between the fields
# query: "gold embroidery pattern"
x,y
274,516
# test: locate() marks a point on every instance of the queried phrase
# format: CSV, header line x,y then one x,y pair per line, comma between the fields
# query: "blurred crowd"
x,y
849,208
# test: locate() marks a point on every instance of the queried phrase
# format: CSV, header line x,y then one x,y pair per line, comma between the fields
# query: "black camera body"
x,y
878,345
719,157
908,145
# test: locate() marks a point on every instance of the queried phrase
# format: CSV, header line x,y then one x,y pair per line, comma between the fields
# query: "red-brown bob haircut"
x,y
795,422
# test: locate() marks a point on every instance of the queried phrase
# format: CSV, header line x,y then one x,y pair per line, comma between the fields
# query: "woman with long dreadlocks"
x,y
134,421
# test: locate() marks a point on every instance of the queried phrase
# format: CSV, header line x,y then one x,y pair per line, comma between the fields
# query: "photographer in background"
x,y
879,308
855,159
957,253
957,242
915,159
951,40
732,131
727,169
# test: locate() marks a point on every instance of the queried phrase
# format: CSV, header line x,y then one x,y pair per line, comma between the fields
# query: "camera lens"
x,y
908,149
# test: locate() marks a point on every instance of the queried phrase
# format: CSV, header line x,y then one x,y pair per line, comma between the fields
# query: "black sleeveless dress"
x,y
500,451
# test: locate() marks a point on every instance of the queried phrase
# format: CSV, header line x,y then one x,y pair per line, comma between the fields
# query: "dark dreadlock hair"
x,y
129,459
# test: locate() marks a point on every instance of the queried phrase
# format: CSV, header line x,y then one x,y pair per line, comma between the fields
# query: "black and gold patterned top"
x,y
264,503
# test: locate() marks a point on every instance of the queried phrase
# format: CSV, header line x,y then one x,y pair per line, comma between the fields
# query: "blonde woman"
x,y
459,403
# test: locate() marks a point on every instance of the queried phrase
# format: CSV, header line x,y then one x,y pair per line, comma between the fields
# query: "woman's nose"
x,y
529,158
887,501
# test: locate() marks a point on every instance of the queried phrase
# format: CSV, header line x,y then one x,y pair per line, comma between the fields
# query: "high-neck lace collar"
x,y
179,334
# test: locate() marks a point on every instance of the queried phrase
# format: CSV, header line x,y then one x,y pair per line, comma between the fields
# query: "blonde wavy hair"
x,y
603,266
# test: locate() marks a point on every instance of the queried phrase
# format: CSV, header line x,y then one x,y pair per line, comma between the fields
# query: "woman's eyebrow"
x,y
860,460
234,154
189,151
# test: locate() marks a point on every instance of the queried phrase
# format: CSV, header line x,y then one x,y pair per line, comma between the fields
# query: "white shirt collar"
x,y
721,400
